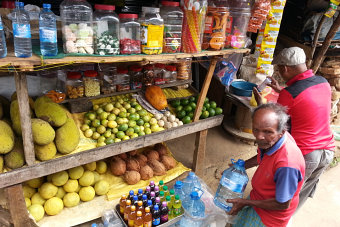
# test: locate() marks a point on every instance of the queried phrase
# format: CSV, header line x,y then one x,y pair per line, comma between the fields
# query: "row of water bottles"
x,y
22,32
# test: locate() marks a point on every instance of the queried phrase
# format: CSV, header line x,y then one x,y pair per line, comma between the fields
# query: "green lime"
x,y
103,115
132,116
191,115
188,109
115,130
142,113
101,139
148,131
134,135
181,114
120,120
129,132
111,117
122,114
132,123
184,102
95,135
138,107
127,106
207,105
211,112
205,114
141,133
175,103
99,110
213,104
192,99
146,118
104,123
107,134
101,129
147,125
140,122
87,121
95,123
218,111
126,138
123,127
131,110
136,129
186,120
203,108
179,108
206,100
109,140
193,105
120,135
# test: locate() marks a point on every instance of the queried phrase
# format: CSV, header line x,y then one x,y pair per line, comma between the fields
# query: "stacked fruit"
x,y
185,109
121,119
64,189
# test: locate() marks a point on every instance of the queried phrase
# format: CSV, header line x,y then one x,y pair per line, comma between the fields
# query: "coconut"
x,y
123,156
142,159
152,154
132,164
168,161
132,177
118,166
161,149
146,172
157,167
133,153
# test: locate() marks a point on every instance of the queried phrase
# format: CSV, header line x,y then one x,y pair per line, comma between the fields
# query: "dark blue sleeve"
x,y
286,179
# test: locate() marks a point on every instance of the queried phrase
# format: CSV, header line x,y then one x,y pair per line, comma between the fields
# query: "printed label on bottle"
x,y
48,36
209,21
131,222
152,39
164,218
138,225
156,221
177,211
232,185
148,224
125,217
22,30
121,209
170,212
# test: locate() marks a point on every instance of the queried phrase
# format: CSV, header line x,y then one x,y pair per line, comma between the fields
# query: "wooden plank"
x,y
5,218
17,207
69,161
25,117
204,91
330,70
199,154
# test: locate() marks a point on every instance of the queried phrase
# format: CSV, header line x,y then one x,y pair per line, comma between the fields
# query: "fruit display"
x,y
49,195
168,120
185,108
135,166
156,97
121,119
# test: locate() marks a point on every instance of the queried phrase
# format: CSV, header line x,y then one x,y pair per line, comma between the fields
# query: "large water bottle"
x,y
48,32
232,184
3,47
190,183
178,187
21,32
194,211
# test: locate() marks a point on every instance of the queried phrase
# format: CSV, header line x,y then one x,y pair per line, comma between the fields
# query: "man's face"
x,y
265,124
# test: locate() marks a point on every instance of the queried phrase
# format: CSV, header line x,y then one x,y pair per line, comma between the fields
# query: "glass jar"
x,y
48,81
76,17
106,30
91,83
159,71
173,20
184,69
74,85
123,79
108,81
193,25
136,76
151,31
170,74
148,75
215,27
129,29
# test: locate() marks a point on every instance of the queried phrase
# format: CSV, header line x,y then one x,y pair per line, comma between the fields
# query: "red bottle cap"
x,y
170,68
159,65
122,70
136,68
168,3
125,16
104,7
73,75
90,73
148,67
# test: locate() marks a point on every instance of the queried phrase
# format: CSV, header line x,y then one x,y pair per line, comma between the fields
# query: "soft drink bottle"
x,y
48,32
164,213
150,204
172,195
156,191
166,191
122,204
147,191
139,220
196,209
161,196
232,185
158,202
135,200
156,216
145,200
21,32
177,207
178,187
152,197
132,216
127,210
3,46
152,185
140,206
160,185
189,184
140,194
131,194
170,206
147,218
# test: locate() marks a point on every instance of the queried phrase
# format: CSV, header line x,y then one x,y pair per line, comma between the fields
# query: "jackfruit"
x,y
42,131
6,138
67,137
41,100
15,117
30,100
45,152
5,106
16,158
1,163
51,112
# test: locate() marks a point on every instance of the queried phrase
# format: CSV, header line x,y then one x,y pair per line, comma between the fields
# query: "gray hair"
x,y
279,110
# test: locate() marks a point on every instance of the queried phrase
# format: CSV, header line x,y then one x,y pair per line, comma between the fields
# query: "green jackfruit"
x,y
1,163
41,100
6,138
67,137
15,117
5,106
30,100
45,152
16,158
50,112
42,131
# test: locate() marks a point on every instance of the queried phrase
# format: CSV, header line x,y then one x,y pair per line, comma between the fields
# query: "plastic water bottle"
x,y
194,211
190,183
178,187
232,184
21,32
3,47
48,32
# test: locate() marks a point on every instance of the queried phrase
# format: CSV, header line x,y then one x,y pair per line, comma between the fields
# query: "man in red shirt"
x,y
308,100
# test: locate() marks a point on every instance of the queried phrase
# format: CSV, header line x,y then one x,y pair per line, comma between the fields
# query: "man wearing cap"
x,y
308,99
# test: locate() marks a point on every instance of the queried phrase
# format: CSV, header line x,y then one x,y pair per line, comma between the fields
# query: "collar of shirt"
x,y
274,148
304,75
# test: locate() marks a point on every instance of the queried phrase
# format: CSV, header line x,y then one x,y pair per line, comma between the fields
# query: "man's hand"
x,y
238,204
257,96
275,85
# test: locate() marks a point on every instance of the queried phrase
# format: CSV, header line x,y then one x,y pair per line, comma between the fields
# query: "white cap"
x,y
290,56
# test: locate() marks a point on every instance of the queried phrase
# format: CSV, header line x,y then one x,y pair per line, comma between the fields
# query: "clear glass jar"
x,y
91,83
148,75
48,81
129,29
108,81
77,30
159,70
136,76
151,31
173,21
106,30
184,69
123,79
74,85
170,74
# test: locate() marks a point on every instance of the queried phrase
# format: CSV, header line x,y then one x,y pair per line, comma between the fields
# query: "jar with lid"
x,y
148,75
48,81
170,74
136,76
151,31
74,85
184,69
123,79
173,20
159,71
91,83
106,30
129,30
77,29
108,79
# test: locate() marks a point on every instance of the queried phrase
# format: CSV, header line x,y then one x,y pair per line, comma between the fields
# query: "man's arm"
x,y
251,162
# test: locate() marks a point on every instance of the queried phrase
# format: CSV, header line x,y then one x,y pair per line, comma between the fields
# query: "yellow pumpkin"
x,y
155,96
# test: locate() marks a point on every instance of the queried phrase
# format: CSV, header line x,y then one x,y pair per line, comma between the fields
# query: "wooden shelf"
x,y
69,161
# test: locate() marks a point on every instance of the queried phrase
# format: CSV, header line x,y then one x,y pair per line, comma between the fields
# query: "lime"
x,y
95,123
122,114
184,102
90,166
104,123
147,125
35,183
37,199
112,124
211,112
147,131
120,120
111,117
132,123
146,118
115,130
118,105
60,178
181,114
129,132
179,108
53,206
175,103
207,105
108,107
71,186
101,187
205,114
133,116
47,190
107,134
123,127
191,115
206,100
116,111
134,103
188,108
84,127
153,121
92,116
134,135
87,121
117,140
192,99
126,138
101,167
203,108
136,129
138,107
142,112
76,172
131,110
141,133
99,110
103,115
101,129
109,140
120,135
101,139
155,128
86,179
127,106
213,104
140,122
218,111
193,105
186,120
95,135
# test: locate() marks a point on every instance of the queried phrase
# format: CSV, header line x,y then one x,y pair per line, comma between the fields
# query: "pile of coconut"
x,y
135,166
